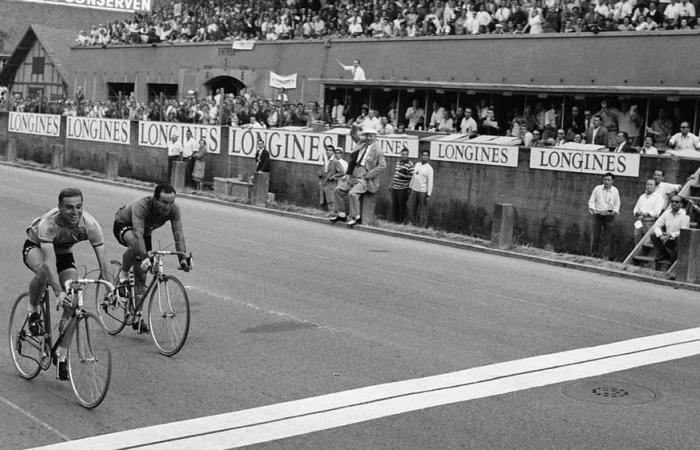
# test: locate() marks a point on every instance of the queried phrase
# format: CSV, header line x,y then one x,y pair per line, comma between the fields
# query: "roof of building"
x,y
55,42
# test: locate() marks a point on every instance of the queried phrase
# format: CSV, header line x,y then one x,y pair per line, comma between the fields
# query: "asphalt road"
x,y
284,309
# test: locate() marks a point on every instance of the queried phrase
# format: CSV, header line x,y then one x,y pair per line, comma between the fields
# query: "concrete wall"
x,y
584,60
551,206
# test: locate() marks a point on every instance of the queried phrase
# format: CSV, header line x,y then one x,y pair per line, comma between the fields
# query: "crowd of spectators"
x,y
537,125
271,20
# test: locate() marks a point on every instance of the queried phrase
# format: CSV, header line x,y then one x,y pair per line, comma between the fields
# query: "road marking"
x,y
34,418
283,420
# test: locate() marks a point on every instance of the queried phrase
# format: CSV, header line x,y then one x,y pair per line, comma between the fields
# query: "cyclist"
x,y
133,225
47,252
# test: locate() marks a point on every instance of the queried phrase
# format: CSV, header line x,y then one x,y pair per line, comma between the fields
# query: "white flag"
x,y
283,81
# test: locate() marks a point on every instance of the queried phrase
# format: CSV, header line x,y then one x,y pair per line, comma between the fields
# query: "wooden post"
x,y
261,185
688,264
112,170
57,156
177,176
11,152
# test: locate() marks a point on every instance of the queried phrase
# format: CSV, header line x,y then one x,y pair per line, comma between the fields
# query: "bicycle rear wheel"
x,y
25,348
89,361
111,308
169,315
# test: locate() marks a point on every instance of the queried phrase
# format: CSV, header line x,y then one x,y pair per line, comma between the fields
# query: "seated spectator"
x,y
684,140
667,230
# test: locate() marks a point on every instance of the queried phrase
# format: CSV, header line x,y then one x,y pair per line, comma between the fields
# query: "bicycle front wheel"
x,y
169,315
111,308
89,361
25,348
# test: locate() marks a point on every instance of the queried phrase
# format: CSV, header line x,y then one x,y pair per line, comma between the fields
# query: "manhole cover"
x,y
609,392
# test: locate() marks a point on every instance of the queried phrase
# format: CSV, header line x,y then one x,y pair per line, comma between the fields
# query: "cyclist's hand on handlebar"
x,y
185,265
146,264
61,299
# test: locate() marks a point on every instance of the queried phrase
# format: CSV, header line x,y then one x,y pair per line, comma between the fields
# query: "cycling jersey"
x,y
143,216
50,229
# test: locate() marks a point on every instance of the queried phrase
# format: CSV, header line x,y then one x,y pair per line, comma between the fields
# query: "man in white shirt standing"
x,y
685,140
647,210
415,115
421,189
603,205
174,154
667,230
358,73
190,148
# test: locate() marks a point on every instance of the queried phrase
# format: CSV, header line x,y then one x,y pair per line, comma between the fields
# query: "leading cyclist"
x,y
47,252
133,225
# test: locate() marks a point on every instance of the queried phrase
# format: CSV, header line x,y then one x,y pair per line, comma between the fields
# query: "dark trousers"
x,y
399,204
171,160
418,208
188,171
663,249
602,234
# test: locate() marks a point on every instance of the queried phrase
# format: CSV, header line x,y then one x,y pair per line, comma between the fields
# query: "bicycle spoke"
x,y
89,362
169,315
26,350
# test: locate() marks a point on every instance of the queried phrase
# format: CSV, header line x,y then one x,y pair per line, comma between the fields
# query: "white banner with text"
x,y
392,144
158,134
581,161
31,123
113,131
109,5
474,153
284,145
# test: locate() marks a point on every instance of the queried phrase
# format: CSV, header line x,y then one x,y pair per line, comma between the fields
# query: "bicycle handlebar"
x,y
86,281
187,256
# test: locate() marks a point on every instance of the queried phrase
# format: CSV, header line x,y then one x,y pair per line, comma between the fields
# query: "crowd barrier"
x,y
548,188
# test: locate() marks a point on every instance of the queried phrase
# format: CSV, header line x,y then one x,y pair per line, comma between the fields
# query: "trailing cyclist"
x,y
47,252
133,226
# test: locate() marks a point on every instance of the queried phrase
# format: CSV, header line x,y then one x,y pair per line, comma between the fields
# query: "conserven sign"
x,y
109,5
112,131
31,123
581,161
474,153
158,134
283,145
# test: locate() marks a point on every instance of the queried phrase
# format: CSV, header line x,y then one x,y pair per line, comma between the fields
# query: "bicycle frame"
x,y
75,289
158,274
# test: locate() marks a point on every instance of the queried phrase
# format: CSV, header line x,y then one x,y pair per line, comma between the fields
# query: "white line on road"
x,y
283,420
34,418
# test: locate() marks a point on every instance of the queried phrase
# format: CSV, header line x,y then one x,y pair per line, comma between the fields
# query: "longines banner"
x,y
474,153
581,161
158,134
113,131
30,123
392,144
110,5
283,145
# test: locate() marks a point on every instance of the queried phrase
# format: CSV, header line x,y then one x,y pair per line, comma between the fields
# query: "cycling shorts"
x,y
120,228
63,261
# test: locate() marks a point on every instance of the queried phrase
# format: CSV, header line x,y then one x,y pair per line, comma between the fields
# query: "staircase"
x,y
643,253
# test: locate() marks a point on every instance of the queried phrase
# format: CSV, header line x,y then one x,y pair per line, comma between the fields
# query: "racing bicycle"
x,y
168,307
89,360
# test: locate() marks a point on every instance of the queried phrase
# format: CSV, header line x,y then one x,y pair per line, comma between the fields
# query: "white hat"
x,y
368,129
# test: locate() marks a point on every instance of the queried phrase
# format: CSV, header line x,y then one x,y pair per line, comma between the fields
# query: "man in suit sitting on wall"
x,y
366,164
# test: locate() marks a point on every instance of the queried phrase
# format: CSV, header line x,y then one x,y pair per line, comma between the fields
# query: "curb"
x,y
385,232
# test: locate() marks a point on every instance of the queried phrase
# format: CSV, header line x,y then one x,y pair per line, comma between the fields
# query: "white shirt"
x,y
174,148
688,142
674,223
343,163
190,148
422,180
604,200
468,126
649,205
358,73
388,129
337,114
414,115
664,189
374,122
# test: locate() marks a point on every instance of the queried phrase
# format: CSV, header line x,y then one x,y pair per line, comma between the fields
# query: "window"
x,y
169,91
114,89
38,65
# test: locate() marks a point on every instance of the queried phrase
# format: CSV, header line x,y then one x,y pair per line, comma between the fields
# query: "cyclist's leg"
x,y
34,259
132,242
65,264
125,236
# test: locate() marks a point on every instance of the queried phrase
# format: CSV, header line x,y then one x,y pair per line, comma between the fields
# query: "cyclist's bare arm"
x,y
178,235
50,267
102,261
